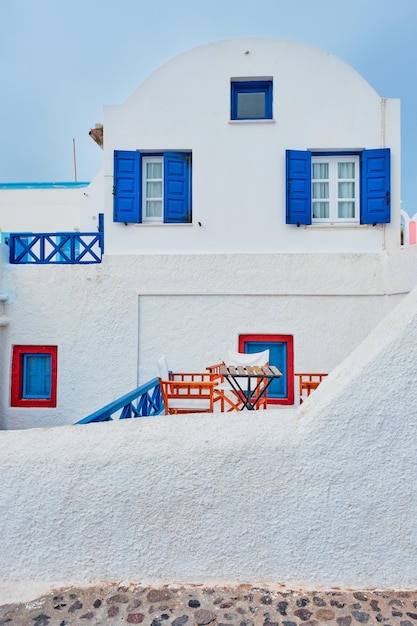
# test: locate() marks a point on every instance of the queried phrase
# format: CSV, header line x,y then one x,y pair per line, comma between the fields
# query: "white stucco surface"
x,y
322,496
111,322
238,179
40,210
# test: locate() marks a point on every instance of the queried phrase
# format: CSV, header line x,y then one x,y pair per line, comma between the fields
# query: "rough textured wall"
x,y
105,331
323,496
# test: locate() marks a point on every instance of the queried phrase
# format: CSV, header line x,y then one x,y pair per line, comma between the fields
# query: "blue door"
x,y
281,390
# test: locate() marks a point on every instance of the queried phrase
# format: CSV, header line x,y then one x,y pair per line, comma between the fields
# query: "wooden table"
x,y
259,376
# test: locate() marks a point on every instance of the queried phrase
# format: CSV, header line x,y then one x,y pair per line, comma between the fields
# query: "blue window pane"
x,y
251,100
37,375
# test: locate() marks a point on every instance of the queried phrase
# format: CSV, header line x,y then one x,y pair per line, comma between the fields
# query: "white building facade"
x,y
251,199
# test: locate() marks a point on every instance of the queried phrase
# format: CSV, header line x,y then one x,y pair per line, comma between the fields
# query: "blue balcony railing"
x,y
57,248
144,401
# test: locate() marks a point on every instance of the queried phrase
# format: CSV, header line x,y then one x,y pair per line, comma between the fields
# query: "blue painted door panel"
x,y
277,357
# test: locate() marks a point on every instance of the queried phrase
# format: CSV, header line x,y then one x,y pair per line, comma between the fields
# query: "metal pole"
x,y
75,160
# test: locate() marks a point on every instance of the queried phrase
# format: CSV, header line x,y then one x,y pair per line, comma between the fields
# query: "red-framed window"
x,y
34,376
281,354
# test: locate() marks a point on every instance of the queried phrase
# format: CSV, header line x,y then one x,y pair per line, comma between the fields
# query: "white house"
x,y
251,198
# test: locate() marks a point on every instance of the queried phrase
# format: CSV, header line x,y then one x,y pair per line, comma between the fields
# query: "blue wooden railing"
x,y
146,400
46,248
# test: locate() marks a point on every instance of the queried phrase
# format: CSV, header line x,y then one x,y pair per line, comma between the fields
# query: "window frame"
x,y
255,85
146,158
333,161
19,372
374,186
129,180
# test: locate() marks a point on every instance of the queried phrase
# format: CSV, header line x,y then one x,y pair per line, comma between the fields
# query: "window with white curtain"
x,y
335,189
152,189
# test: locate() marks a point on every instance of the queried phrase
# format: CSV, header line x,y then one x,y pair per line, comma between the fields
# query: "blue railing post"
x,y
57,248
101,230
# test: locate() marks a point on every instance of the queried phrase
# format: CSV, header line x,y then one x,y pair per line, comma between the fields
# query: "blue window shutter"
x,y
298,174
127,186
177,187
376,186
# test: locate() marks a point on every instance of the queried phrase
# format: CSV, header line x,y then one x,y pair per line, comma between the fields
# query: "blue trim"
x,y
144,401
375,186
177,187
336,153
298,182
251,87
46,248
127,187
43,185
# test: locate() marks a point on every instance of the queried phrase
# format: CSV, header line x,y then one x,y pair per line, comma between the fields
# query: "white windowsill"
x,y
341,226
268,121
160,224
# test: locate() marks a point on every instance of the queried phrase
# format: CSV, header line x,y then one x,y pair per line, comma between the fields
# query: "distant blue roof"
x,y
43,185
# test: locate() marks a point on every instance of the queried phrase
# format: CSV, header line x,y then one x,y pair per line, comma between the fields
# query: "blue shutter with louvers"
x,y
177,187
298,173
375,186
127,187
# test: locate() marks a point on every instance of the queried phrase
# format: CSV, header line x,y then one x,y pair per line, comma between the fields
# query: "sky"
x,y
61,61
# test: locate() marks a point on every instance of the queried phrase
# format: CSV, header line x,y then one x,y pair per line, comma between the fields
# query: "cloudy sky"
x,y
62,60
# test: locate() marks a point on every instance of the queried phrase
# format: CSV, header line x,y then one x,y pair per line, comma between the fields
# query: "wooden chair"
x,y
307,383
186,392
228,398
187,396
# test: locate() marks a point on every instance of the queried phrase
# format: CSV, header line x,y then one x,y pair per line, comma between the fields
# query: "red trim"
x,y
289,340
17,376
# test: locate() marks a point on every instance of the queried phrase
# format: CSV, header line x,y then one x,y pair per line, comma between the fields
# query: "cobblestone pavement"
x,y
199,605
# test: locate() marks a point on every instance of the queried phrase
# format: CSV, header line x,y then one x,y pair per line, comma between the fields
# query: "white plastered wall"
x,y
40,210
112,321
238,185
323,496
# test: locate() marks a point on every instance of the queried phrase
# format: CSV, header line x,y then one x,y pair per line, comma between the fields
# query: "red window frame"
x,y
17,376
289,340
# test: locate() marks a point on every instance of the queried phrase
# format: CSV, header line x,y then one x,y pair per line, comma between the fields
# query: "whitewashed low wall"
x,y
110,329
322,496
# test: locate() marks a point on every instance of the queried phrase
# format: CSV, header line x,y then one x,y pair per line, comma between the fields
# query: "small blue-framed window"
x,y
34,376
37,376
251,99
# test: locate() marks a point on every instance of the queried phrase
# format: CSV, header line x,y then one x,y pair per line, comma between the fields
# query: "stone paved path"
x,y
199,605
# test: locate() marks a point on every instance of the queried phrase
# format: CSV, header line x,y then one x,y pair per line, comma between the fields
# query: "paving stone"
x,y
179,621
196,605
135,618
324,615
158,595
303,614
203,616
